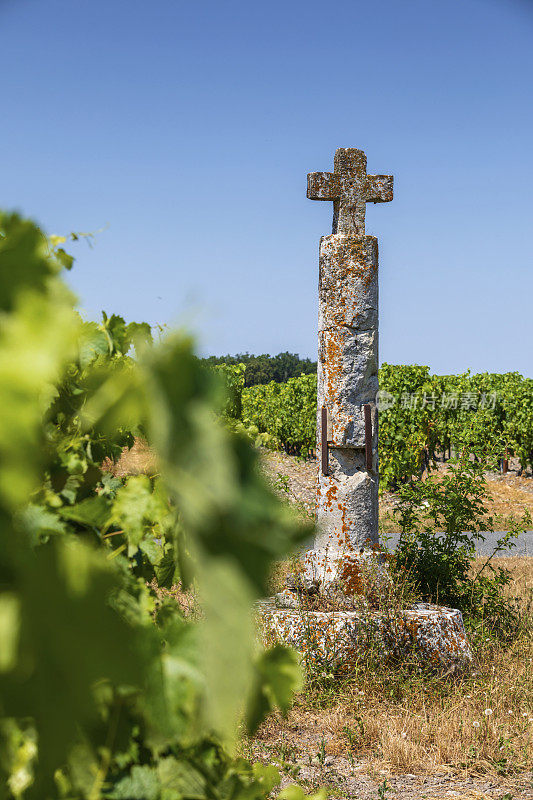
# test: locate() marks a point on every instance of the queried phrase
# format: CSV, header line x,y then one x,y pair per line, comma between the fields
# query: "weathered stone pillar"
x,y
347,504
333,630
347,485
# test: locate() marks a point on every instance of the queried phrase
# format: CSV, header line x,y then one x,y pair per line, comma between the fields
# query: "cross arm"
x,y
323,186
379,188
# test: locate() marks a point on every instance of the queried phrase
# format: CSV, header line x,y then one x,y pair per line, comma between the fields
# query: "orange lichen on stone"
x,y
350,188
432,634
351,577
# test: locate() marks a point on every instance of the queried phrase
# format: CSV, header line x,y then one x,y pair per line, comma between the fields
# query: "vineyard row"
x,y
421,416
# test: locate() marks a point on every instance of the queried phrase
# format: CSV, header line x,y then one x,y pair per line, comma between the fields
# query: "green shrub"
x,y
441,519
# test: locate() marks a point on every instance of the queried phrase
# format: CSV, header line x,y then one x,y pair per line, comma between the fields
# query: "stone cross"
x,y
347,437
350,188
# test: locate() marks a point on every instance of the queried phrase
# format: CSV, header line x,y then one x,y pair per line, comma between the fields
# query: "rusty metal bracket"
x,y
324,441
368,436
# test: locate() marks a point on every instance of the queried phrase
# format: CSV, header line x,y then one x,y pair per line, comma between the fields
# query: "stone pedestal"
x,y
433,636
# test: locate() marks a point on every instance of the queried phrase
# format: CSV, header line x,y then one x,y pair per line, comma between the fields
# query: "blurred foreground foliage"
x,y
107,691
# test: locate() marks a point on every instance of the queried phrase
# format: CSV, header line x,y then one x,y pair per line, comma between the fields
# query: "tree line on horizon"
x,y
265,368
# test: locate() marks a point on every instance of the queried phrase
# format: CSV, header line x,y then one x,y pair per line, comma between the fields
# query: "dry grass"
x,y
137,460
509,498
402,721
521,569
186,600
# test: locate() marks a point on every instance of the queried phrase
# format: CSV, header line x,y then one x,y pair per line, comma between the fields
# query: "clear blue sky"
x,y
187,128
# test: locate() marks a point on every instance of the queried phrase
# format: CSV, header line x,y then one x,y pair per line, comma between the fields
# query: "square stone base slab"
x,y
435,636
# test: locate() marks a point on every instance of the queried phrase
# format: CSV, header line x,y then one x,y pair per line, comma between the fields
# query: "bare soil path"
x,y
510,496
